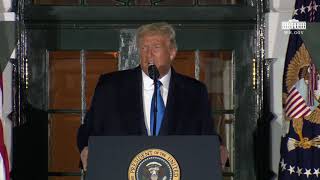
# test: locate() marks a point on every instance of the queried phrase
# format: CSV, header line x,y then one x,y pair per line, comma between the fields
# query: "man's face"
x,y
156,49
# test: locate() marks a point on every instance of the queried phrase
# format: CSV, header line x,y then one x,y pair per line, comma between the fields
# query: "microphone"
x,y
153,72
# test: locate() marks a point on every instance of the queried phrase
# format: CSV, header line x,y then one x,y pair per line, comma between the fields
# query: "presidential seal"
x,y
154,164
302,98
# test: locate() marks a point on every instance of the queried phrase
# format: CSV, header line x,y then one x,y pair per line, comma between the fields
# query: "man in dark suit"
x,y
121,103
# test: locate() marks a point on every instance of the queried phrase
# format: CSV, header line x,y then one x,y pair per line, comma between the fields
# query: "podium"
x,y
153,158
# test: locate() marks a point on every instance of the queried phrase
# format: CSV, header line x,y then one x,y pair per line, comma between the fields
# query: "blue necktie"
x,y
160,108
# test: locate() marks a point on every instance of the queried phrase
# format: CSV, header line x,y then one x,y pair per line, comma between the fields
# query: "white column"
x,y
276,47
5,5
7,109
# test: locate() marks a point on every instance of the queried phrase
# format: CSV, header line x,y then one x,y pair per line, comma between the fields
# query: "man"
x,y
121,103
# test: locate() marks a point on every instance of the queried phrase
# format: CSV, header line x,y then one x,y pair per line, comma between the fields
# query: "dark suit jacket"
x,y
117,107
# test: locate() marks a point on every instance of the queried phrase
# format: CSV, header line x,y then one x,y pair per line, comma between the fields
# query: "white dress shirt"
x,y
148,87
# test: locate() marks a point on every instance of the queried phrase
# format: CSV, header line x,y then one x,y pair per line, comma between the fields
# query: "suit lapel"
x,y
169,123
142,124
136,124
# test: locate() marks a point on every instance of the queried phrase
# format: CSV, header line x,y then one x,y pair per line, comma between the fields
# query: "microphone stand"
x,y
154,74
155,108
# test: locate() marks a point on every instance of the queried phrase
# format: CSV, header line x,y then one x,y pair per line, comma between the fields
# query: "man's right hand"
x,y
84,158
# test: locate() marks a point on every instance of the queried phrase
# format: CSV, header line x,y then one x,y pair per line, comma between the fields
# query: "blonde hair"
x,y
160,28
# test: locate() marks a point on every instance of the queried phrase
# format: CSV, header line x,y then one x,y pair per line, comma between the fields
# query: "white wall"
x,y
276,46
5,5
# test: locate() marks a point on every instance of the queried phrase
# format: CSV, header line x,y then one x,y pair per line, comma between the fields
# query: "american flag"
x,y
4,160
298,160
296,106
